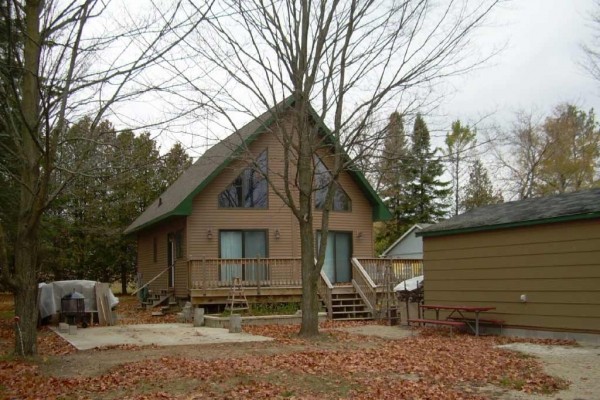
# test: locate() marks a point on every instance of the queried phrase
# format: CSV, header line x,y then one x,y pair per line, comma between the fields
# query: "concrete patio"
x,y
153,334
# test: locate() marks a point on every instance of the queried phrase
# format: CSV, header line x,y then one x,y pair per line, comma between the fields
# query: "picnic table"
x,y
456,316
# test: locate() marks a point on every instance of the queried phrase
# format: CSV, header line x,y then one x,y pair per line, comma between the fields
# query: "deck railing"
x,y
256,272
325,289
398,270
364,285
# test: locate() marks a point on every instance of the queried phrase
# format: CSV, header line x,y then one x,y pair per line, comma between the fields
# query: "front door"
x,y
171,259
337,256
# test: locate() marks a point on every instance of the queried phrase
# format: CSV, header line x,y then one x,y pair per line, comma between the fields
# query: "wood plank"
x,y
539,260
99,290
560,246
523,285
513,296
574,230
502,272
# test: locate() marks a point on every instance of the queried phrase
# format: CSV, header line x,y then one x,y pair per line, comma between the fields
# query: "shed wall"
x,y
411,247
557,266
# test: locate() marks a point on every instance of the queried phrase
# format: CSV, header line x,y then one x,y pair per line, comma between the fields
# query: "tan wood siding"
x,y
207,215
557,266
149,269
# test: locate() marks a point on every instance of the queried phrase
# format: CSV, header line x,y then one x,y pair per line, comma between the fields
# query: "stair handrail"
x,y
325,288
363,284
151,280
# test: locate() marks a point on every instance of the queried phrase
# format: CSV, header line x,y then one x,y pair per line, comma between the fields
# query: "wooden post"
x,y
204,274
258,275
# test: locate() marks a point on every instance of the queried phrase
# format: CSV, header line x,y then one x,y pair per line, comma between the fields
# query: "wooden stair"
x,y
347,305
164,298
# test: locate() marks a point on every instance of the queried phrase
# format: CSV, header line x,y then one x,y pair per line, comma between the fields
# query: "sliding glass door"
x,y
337,256
243,245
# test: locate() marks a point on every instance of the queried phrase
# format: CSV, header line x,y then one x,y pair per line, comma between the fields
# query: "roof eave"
x,y
563,218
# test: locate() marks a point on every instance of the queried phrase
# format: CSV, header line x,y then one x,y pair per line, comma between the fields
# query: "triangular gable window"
x,y
249,189
341,201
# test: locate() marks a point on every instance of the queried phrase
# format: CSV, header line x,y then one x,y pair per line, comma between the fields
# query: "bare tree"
x,y
556,154
66,60
591,51
520,154
342,61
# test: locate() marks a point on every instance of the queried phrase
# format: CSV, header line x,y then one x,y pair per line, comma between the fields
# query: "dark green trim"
x,y
564,218
380,210
154,221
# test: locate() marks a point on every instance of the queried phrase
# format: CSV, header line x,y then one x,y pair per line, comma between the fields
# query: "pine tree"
x,y
393,179
479,190
428,201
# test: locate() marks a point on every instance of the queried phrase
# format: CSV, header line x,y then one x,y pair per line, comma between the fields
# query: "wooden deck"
x,y
279,280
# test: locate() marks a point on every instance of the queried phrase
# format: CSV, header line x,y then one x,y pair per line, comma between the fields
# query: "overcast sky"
x,y
538,67
536,70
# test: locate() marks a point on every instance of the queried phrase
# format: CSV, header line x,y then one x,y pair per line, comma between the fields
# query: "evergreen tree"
x,y
479,190
393,179
83,229
428,194
459,145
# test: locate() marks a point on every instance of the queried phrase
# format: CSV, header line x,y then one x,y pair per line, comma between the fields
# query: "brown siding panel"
x,y
149,269
208,216
556,265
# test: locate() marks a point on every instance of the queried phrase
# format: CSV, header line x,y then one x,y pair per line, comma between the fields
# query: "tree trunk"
x,y
123,279
33,191
310,301
310,275
26,294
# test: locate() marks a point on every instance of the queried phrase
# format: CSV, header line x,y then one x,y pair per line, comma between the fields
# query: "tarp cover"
x,y
50,295
410,284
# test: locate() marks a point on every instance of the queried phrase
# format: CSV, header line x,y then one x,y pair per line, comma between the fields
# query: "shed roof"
x,y
177,199
417,227
583,204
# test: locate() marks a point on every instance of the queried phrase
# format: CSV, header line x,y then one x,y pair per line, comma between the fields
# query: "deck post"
x,y
257,270
204,274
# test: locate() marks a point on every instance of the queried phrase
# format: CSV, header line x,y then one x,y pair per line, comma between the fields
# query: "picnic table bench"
x,y
456,317
450,323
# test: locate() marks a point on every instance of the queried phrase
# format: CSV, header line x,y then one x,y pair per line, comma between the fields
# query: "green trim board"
x,y
184,207
564,218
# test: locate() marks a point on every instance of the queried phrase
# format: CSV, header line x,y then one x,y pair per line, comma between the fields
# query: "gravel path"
x,y
580,365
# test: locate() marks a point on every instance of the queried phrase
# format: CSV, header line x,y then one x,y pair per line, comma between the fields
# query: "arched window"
x,y
341,201
249,189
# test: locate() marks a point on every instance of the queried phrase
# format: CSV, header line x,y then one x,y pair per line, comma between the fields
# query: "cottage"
x,y
221,220
537,261
409,246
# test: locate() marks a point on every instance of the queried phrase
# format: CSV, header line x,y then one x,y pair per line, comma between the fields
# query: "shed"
x,y
408,246
536,260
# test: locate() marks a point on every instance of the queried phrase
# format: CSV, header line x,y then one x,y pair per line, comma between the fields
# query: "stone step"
x,y
157,313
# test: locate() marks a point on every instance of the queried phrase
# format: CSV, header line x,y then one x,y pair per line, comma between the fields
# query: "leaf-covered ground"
x,y
431,365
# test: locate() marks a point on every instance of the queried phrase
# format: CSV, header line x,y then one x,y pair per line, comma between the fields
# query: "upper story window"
x,y
249,189
341,201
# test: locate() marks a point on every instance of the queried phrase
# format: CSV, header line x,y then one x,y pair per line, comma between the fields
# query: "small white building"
x,y
408,246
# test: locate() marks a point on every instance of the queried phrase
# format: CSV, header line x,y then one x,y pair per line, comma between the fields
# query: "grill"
x,y
72,307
